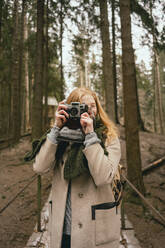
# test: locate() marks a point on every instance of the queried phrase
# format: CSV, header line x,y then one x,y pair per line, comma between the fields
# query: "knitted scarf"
x,y
76,162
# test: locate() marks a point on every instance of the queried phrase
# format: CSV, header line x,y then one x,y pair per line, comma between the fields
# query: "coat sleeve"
x,y
103,167
45,159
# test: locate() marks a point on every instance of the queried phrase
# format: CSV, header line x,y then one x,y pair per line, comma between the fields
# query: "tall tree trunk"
x,y
2,90
130,99
81,77
107,61
140,121
61,49
38,84
162,81
46,77
16,112
88,75
158,92
158,95
114,58
26,75
154,98
31,87
21,68
1,8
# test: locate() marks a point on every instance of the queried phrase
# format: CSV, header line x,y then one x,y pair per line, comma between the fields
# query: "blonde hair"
x,y
76,95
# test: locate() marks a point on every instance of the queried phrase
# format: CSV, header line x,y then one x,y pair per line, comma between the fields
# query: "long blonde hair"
x,y
76,96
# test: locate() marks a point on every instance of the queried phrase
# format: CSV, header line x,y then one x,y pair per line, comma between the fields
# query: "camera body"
x,y
75,109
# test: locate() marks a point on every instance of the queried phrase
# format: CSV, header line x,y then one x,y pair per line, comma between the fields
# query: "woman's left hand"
x,y
87,123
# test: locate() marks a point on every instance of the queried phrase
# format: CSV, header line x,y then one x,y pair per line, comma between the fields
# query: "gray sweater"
x,y
90,139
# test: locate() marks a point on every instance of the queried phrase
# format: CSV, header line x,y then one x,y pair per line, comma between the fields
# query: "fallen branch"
x,y
153,165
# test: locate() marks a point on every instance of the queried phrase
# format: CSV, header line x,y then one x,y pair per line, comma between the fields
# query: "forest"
x,y
49,47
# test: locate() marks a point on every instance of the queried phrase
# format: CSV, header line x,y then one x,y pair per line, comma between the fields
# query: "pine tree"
x,y
107,61
38,84
15,107
130,99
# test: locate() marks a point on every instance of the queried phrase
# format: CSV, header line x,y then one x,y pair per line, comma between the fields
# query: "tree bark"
x,y
1,8
154,98
61,49
158,92
158,95
38,84
46,65
114,58
15,107
26,75
22,68
107,61
130,99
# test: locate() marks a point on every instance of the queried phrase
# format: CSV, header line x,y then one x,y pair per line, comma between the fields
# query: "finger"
x,y
87,121
84,117
63,112
63,101
84,122
85,114
62,117
61,106
83,125
87,118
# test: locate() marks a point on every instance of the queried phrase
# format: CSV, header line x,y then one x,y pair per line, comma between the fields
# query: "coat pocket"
x,y
107,226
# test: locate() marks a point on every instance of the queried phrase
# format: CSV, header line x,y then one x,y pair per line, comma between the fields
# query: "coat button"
x,y
80,225
81,195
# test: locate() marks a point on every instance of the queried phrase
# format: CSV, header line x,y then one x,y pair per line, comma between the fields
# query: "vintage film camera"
x,y
75,109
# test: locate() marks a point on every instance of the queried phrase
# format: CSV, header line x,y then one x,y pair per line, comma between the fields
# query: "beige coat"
x,y
86,190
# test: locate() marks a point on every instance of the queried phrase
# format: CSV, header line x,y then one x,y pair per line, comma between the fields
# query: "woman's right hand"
x,y
61,115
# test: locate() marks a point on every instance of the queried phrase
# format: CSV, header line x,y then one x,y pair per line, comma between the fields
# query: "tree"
x,y
46,67
107,61
130,99
38,84
157,79
1,8
114,58
22,66
15,107
61,48
26,78
81,45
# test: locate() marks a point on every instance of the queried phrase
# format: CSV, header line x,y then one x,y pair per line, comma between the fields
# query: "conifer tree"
x,y
38,84
107,61
130,99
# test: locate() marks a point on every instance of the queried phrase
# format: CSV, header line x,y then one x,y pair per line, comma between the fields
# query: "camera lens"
x,y
73,111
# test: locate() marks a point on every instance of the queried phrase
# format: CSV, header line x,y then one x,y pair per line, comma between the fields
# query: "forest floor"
x,y
18,220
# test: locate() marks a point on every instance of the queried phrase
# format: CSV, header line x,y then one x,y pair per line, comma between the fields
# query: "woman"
x,y
82,178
